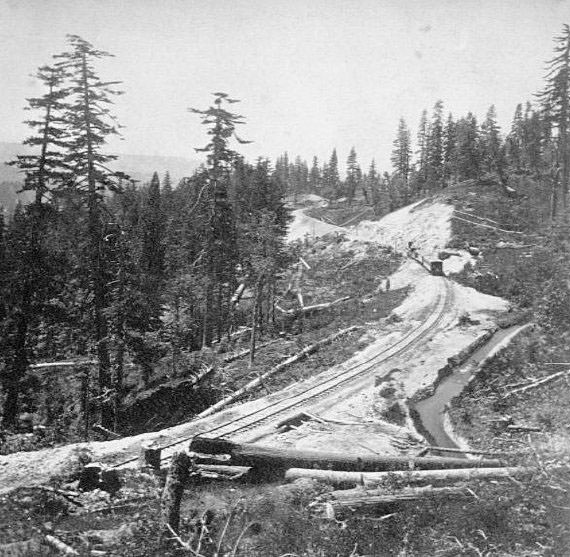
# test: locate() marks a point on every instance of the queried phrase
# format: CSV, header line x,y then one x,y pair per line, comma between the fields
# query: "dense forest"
x,y
99,268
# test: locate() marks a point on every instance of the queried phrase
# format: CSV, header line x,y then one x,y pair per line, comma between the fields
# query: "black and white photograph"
x,y
285,278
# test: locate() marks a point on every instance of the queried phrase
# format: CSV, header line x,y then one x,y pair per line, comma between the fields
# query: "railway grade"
x,y
260,417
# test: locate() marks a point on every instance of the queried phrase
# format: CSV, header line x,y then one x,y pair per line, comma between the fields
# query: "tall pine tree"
x,y
89,124
402,152
555,101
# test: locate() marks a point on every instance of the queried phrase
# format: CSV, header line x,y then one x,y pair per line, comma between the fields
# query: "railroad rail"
x,y
261,416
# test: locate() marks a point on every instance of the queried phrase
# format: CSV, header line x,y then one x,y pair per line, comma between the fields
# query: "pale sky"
x,y
312,74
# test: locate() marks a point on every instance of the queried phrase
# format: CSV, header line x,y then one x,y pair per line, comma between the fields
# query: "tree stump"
x,y
178,476
149,458
90,477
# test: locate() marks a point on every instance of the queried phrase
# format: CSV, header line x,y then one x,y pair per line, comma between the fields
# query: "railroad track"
x,y
260,417
326,388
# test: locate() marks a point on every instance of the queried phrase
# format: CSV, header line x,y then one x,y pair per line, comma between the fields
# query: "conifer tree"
x,y
89,124
515,140
44,169
434,148
3,278
555,101
378,192
152,250
331,178
402,152
282,169
315,177
29,284
491,146
422,143
449,149
166,183
353,175
535,135
220,241
29,228
468,156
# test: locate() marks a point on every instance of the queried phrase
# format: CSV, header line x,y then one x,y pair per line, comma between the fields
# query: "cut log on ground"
x,y
58,545
524,428
487,226
48,365
312,309
432,448
538,383
107,432
280,367
414,477
339,504
272,458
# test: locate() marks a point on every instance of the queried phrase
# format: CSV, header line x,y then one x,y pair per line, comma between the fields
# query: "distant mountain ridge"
x,y
139,167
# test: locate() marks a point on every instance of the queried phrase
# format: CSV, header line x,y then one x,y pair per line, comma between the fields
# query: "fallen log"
x,y
358,493
273,458
235,299
411,477
107,432
60,546
463,451
313,308
487,226
354,501
521,427
547,379
280,367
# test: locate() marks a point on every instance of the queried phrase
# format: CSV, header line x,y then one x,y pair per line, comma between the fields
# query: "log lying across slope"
x,y
272,458
278,368
411,477
357,501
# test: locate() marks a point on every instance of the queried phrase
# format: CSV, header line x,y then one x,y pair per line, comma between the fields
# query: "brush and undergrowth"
x,y
499,518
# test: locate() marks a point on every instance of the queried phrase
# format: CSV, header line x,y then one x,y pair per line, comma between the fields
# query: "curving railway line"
x,y
260,418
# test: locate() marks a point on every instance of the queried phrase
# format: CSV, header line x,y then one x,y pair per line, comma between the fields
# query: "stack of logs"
x,y
361,474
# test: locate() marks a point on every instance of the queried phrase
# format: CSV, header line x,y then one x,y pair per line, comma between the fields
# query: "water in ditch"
x,y
429,412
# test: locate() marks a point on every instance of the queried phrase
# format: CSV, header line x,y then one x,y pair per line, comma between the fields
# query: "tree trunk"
x,y
207,322
273,458
19,363
358,501
414,477
85,403
254,319
96,263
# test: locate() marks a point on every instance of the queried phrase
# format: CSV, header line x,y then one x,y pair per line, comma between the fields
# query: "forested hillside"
x,y
97,267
